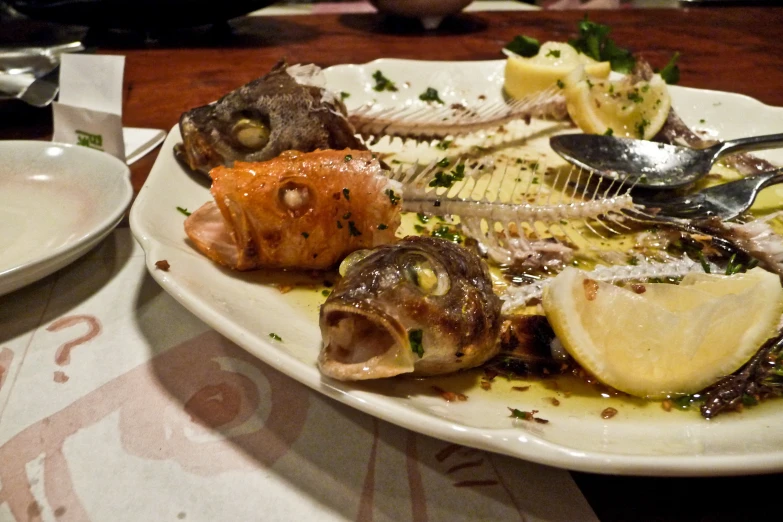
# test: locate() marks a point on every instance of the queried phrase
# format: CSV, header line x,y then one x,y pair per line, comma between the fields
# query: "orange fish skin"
x,y
301,210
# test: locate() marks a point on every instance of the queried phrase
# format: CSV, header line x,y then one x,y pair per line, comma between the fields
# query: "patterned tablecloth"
x,y
117,404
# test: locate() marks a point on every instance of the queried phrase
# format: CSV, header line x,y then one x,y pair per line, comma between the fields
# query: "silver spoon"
x,y
650,164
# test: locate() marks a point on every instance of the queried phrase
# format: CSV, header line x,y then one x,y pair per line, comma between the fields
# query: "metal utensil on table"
x,y
648,164
43,90
725,201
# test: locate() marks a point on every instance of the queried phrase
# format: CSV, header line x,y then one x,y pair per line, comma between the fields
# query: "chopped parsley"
x,y
344,95
553,52
443,145
609,131
353,230
641,127
305,235
347,194
423,217
447,180
443,163
184,210
560,84
347,215
671,71
635,97
594,41
325,292
415,337
382,226
339,225
393,198
445,232
382,83
524,46
430,95
276,337
419,228
348,157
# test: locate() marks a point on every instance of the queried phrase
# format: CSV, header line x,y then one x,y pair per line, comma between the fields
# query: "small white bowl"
x,y
57,201
430,12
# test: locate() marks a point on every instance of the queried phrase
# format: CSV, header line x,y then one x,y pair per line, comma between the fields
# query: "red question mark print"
x,y
63,354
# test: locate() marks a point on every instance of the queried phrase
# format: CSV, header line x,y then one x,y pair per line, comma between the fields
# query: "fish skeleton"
x,y
299,210
422,306
288,109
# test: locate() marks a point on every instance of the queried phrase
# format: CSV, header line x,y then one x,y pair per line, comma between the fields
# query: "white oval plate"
x,y
641,439
57,201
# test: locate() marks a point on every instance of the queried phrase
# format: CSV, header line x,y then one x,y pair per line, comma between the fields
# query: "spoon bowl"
x,y
648,164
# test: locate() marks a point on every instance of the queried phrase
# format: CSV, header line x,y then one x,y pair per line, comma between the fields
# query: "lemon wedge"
x,y
618,107
658,340
554,61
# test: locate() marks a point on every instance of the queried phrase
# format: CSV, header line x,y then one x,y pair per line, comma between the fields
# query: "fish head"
x,y
287,109
422,306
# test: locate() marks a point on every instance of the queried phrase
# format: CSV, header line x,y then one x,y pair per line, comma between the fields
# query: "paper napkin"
x,y
89,110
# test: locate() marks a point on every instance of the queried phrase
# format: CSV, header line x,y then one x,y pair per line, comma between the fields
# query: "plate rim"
x,y
36,269
540,451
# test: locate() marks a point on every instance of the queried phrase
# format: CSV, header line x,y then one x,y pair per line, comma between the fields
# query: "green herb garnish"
x,y
415,337
594,41
443,163
305,235
382,226
553,52
524,46
447,180
560,84
671,71
353,230
275,337
347,194
344,95
423,217
609,131
430,95
382,83
445,232
184,210
393,198
443,145
347,215
348,157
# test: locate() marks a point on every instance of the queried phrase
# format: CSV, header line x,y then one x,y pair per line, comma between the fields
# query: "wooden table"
x,y
730,49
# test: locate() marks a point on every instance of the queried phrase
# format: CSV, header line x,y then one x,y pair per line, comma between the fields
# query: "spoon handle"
x,y
769,141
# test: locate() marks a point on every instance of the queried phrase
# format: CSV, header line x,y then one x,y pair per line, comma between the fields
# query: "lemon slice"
x,y
657,340
554,61
621,108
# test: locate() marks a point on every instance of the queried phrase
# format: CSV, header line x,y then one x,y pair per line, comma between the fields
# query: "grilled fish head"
x,y
288,109
422,306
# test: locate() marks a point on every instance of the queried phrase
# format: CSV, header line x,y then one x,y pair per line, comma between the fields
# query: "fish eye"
x,y
428,277
352,259
251,133
296,198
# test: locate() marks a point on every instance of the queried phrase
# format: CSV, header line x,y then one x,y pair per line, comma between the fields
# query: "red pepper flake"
x,y
162,265
591,289
667,405
450,396
639,289
520,388
608,413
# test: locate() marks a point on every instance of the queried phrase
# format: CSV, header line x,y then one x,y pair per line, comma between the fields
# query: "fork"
x,y
725,201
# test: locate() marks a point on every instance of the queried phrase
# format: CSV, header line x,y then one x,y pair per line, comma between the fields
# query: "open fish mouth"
x,y
361,342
